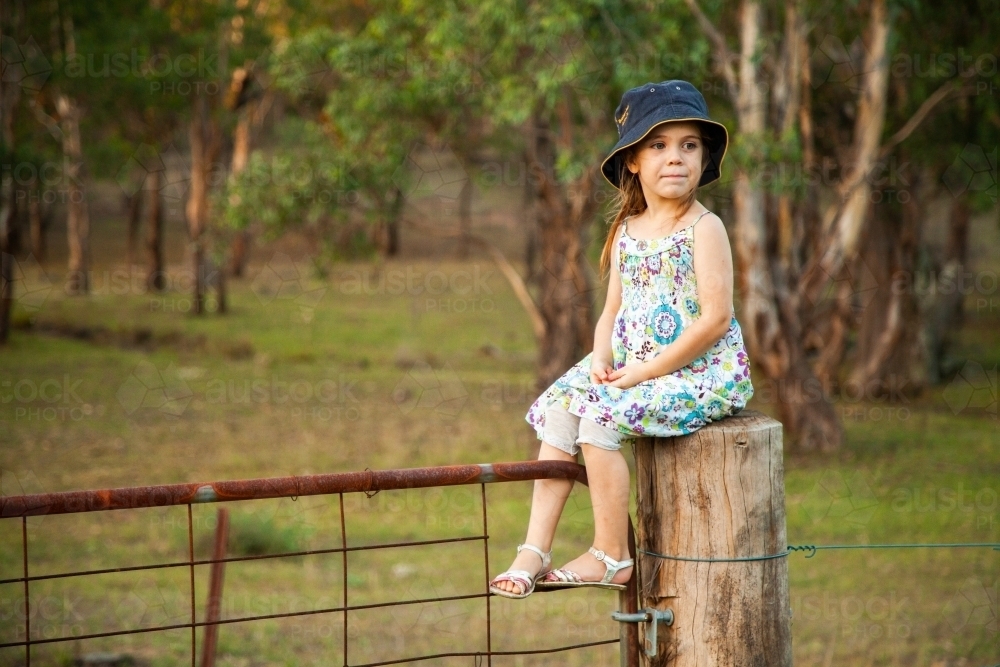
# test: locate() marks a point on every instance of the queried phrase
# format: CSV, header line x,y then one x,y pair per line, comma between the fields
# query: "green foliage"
x,y
258,534
464,76
291,186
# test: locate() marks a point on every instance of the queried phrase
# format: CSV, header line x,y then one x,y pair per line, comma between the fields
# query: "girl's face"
x,y
669,160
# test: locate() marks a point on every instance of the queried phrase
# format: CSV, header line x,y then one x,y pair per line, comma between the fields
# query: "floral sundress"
x,y
659,299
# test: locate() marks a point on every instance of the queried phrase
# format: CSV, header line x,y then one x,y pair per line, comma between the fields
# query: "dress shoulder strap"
x,y
690,228
698,218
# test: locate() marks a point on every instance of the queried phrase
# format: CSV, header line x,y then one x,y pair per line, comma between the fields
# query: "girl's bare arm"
x,y
603,355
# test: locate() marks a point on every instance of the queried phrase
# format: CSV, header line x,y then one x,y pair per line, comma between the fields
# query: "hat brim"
x,y
716,136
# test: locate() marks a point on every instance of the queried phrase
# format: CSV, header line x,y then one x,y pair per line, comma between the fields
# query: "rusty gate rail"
x,y
367,481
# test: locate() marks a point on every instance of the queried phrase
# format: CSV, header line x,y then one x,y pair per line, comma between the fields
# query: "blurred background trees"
x,y
856,130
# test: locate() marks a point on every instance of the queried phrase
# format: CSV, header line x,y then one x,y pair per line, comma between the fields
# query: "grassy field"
x,y
430,364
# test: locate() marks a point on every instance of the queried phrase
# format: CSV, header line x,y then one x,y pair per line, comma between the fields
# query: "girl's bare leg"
x,y
547,502
608,476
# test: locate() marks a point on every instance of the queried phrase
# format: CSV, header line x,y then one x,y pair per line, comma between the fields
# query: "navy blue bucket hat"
x,y
651,104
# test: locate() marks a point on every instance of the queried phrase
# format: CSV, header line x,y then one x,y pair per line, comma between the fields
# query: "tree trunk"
x,y
77,213
531,227
565,304
9,95
946,301
133,207
155,276
887,350
770,311
239,253
221,290
849,214
197,200
385,233
239,250
38,222
780,300
829,333
8,218
253,112
560,348
464,218
392,223
205,144
585,305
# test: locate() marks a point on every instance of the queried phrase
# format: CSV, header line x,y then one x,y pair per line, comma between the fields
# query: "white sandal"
x,y
522,578
564,578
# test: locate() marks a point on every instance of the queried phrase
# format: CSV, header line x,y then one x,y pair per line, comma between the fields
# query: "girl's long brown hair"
x,y
630,201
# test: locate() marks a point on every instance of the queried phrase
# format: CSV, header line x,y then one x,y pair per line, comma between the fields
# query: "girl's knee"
x,y
557,452
591,451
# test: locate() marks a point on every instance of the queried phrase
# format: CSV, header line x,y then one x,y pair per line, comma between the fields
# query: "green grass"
x,y
334,392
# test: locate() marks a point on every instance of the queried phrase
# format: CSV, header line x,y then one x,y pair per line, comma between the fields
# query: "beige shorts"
x,y
565,431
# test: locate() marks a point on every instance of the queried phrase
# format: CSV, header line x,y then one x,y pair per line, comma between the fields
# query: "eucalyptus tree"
x,y
810,89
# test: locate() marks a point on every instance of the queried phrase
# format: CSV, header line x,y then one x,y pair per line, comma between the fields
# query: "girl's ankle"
x,y
615,554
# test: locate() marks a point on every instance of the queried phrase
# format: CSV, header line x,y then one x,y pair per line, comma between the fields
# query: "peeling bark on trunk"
x,y
829,338
786,267
888,351
845,220
771,311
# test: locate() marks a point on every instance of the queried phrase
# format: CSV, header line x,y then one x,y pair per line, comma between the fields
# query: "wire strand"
x,y
811,550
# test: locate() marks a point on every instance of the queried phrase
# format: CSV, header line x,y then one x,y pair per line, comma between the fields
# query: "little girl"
x,y
668,352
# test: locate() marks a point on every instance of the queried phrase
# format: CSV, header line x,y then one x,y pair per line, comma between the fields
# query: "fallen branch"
x,y
509,272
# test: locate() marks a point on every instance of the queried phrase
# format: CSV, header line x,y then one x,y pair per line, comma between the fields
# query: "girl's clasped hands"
x,y
627,376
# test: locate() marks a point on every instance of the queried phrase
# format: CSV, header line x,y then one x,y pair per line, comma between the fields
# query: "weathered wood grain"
x,y
716,493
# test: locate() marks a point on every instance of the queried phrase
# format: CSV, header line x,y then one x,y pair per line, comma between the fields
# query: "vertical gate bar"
x,y
486,558
210,635
191,567
27,608
343,543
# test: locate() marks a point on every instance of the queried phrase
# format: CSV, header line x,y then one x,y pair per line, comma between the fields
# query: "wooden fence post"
x,y
717,493
628,602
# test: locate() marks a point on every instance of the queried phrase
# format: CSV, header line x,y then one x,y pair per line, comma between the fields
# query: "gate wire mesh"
x,y
368,482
